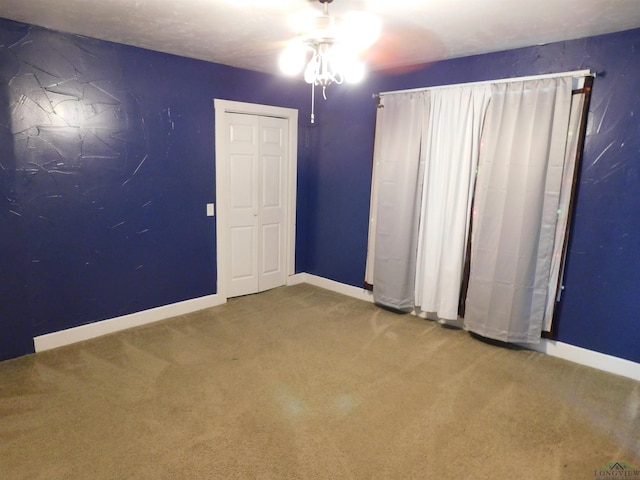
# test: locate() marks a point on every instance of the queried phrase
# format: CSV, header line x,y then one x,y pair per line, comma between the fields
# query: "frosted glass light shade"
x,y
292,59
355,72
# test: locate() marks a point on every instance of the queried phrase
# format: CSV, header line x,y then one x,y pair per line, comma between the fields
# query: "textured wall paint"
x,y
600,309
107,164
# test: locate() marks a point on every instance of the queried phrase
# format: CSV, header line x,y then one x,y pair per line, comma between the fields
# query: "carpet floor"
x,y
303,383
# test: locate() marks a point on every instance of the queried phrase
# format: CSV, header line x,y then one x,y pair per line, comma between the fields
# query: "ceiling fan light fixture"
x,y
334,47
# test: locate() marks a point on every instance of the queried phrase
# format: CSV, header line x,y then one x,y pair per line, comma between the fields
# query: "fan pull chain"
x,y
313,102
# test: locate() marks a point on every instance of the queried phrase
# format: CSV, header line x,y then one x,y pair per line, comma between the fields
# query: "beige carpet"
x,y
302,383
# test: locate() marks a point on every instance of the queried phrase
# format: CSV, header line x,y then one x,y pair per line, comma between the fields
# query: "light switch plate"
x,y
210,210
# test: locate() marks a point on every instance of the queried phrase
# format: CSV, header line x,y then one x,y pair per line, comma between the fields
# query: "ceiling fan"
x,y
329,48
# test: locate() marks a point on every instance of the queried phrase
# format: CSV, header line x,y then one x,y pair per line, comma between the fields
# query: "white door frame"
x,y
222,186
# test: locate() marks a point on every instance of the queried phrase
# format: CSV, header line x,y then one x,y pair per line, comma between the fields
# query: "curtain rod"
x,y
575,73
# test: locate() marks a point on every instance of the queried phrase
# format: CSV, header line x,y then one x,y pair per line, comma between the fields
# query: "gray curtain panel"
x,y
516,208
398,183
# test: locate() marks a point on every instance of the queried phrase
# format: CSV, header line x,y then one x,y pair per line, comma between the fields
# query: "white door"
x,y
257,169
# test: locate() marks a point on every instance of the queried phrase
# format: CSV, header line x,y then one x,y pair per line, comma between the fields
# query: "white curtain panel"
x,y
397,187
516,208
450,153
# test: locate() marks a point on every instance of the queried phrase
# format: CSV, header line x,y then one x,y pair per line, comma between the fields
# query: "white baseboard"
x,y
113,325
349,290
582,356
590,358
105,327
297,279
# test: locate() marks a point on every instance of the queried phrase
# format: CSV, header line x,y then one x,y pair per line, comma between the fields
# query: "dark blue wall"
x,y
340,184
600,306
107,162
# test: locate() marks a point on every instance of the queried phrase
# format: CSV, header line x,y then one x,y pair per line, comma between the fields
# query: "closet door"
x,y
257,162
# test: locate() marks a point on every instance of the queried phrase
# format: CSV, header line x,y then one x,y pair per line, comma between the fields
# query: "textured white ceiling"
x,y
251,33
